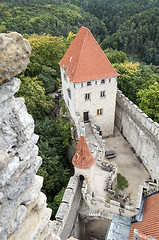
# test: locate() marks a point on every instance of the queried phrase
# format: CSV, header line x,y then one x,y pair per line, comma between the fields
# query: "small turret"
x,y
83,162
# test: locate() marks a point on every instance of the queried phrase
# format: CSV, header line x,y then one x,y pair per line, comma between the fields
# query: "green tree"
x,y
149,101
38,104
46,51
130,79
115,56
53,150
49,79
56,202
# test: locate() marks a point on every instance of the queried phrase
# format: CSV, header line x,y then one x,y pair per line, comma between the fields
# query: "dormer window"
x,y
89,83
102,81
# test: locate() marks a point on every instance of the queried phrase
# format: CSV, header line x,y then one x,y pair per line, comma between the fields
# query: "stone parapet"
x,y
98,207
138,115
61,217
96,132
141,132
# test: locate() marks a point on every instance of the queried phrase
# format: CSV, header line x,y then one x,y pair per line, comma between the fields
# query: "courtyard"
x,y
128,166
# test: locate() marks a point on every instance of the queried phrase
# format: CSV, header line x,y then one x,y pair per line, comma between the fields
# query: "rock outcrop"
x,y
14,55
23,211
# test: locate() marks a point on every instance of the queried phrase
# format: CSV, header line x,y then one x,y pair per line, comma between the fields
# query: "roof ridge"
x,y
87,30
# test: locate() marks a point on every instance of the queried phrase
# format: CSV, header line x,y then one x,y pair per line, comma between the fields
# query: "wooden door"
x,y
85,117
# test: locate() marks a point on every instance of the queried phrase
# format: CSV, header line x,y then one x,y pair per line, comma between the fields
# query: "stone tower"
x,y
89,82
83,162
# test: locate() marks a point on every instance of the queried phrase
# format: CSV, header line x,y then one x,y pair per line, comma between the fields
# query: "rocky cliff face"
x,y
14,55
23,212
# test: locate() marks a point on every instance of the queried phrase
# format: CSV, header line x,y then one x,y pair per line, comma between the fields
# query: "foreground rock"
x,y
14,55
23,210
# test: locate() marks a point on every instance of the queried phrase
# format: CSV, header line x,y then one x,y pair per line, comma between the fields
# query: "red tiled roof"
x,y
150,222
83,158
144,237
85,60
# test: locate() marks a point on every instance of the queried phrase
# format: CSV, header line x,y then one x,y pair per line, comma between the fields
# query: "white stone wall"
x,y
88,176
78,104
70,102
107,103
141,132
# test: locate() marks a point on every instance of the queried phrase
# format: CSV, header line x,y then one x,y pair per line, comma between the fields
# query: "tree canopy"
x,y
130,25
149,101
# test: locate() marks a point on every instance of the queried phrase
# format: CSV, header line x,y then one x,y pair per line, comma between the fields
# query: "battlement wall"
x,y
140,131
62,215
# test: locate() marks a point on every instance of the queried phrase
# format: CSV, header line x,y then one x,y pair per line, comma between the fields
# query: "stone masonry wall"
x,y
62,216
140,131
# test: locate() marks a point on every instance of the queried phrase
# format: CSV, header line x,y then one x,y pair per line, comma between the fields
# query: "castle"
x,y
95,105
89,85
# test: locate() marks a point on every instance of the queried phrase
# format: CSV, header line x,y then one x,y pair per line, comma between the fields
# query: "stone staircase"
x,y
93,143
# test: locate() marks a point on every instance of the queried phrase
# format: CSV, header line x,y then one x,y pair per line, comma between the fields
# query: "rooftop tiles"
x,y
150,223
85,60
83,158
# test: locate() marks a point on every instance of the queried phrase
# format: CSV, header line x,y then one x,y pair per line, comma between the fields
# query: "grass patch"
x,y
122,182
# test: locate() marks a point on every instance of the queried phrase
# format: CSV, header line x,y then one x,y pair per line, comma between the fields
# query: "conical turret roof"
x,y
83,158
85,60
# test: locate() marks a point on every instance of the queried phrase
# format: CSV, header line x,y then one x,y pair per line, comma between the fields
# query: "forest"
x,y
128,32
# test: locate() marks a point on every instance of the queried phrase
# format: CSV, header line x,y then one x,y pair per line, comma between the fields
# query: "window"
x,y
69,92
100,111
95,82
87,97
74,85
102,94
102,81
109,80
88,83
82,84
